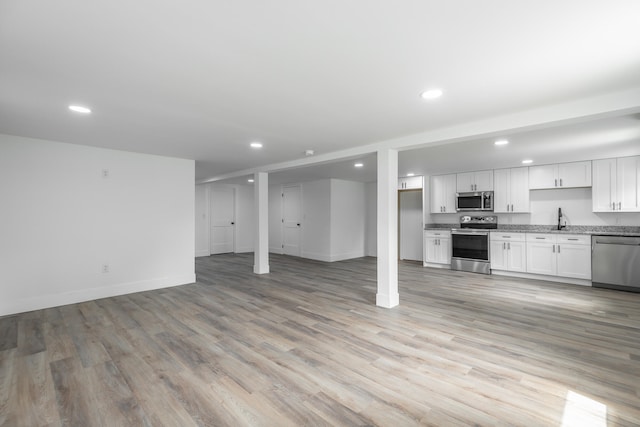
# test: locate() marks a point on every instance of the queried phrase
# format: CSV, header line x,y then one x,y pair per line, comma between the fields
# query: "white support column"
x,y
261,233
387,295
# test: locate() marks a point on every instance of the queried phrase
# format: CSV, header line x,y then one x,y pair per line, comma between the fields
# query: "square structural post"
x,y
261,223
387,295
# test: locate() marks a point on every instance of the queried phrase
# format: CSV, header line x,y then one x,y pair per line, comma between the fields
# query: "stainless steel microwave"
x,y
474,201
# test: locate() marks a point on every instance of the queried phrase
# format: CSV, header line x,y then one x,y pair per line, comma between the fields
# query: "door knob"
x,y
233,223
298,224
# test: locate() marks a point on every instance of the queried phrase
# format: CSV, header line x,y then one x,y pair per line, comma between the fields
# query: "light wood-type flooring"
x,y
306,345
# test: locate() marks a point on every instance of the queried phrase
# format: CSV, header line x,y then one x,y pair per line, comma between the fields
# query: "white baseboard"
x,y
316,256
202,252
39,302
346,255
275,250
244,250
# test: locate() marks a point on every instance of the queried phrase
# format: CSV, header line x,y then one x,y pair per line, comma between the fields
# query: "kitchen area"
x,y
571,222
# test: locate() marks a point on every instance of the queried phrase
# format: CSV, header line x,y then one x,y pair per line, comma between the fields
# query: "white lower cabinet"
x,y
564,255
437,247
508,251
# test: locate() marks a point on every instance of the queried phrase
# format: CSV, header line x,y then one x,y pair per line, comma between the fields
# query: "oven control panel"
x,y
479,221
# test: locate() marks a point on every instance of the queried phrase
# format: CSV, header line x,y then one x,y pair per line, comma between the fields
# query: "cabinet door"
x,y
484,181
577,174
519,190
517,256
543,177
444,250
465,182
449,194
541,258
498,252
574,261
437,193
628,184
604,185
502,190
413,183
430,249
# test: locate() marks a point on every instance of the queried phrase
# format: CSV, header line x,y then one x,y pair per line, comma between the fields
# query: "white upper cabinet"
x,y
410,183
474,181
616,185
564,175
511,190
443,193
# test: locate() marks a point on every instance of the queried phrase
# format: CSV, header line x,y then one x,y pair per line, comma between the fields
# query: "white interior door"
x,y
223,214
410,225
291,220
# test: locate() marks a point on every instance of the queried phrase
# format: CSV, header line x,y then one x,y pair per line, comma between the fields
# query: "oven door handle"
x,y
471,233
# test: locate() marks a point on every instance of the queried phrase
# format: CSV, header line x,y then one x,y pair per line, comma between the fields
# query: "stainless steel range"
x,y
470,243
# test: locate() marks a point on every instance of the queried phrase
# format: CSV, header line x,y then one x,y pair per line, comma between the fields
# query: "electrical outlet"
x,y
105,173
105,268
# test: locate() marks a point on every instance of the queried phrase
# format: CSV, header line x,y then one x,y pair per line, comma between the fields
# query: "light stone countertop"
x,y
609,230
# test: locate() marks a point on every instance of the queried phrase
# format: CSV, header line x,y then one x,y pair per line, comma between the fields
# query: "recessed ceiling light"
x,y
501,142
431,94
411,174
79,109
256,144
250,180
358,165
527,161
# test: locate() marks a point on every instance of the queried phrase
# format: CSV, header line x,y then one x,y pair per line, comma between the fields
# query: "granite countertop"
x,y
609,230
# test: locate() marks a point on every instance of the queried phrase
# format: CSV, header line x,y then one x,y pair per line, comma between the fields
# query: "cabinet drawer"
x,y
509,237
576,239
441,234
541,237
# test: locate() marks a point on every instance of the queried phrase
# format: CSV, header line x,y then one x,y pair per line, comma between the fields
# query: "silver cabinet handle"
x,y
509,245
553,247
558,248
619,206
511,207
560,182
504,245
556,182
572,239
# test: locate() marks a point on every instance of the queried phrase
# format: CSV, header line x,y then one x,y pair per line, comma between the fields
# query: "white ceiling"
x,y
201,79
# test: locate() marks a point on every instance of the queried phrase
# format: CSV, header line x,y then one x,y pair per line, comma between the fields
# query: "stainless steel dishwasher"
x,y
615,262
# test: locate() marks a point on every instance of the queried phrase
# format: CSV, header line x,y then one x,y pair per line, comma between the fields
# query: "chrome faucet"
x,y
560,226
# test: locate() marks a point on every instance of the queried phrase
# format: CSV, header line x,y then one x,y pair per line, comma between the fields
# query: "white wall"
x,y
62,221
202,220
348,220
371,219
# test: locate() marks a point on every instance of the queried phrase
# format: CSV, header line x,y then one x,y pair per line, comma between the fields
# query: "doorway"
x,y
410,225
